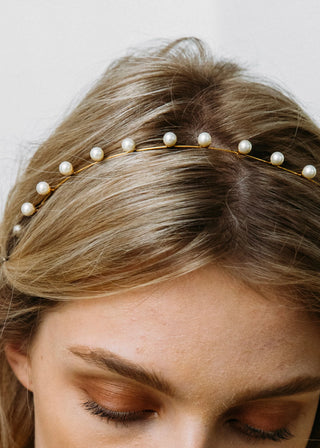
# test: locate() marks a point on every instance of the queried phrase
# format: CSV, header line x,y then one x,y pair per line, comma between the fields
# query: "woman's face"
x,y
197,362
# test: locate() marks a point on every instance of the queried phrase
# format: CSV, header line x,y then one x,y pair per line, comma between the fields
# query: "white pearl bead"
x,y
204,139
309,171
277,158
170,139
66,168
16,230
128,144
244,147
43,188
28,209
97,154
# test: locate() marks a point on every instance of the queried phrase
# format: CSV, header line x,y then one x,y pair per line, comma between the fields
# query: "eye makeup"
x,y
118,402
267,414
123,403
269,419
116,416
253,433
118,394
125,419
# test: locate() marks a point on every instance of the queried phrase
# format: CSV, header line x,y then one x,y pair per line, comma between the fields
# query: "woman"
x,y
162,293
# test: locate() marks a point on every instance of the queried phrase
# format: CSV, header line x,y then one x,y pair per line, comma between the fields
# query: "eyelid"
x,y
126,418
267,414
253,433
117,394
267,420
123,417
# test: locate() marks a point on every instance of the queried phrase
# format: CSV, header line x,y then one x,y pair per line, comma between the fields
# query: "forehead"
x,y
204,325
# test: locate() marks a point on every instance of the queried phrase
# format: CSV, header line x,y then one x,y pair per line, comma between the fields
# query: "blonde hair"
x,y
146,217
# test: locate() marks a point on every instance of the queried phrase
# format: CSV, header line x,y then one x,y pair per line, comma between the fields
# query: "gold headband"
x,y
129,146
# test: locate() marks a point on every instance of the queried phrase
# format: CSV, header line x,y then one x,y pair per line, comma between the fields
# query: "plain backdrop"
x,y
52,51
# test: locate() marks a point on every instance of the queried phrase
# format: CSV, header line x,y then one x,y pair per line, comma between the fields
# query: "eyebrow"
x,y
115,363
112,362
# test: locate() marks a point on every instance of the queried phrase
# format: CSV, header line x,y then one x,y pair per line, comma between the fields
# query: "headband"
x,y
129,146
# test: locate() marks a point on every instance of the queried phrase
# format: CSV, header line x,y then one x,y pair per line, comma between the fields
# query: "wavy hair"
x,y
140,219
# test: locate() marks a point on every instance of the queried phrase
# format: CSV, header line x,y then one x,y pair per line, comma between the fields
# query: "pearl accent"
x,y
128,144
28,209
244,147
277,158
43,188
66,168
170,139
204,139
16,230
97,154
309,171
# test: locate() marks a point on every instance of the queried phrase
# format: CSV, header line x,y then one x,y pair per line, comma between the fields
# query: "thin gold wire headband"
x,y
128,145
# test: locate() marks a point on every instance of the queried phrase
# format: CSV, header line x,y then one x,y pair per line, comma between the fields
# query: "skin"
x,y
216,342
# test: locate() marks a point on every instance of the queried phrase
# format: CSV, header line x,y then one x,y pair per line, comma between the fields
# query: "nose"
x,y
189,433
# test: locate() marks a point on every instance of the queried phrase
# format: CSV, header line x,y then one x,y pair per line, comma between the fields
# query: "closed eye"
x,y
117,416
252,433
129,417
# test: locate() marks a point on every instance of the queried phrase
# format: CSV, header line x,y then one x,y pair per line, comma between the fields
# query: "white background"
x,y
52,50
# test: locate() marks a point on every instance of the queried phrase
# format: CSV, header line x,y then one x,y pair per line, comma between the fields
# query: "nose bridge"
x,y
191,432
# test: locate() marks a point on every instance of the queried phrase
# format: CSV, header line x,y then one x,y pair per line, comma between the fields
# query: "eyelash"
x,y
125,418
256,433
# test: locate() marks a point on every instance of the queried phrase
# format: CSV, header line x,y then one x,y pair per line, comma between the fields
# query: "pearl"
x,y
244,147
43,188
28,209
170,139
204,139
97,154
128,144
16,230
309,171
277,158
66,168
